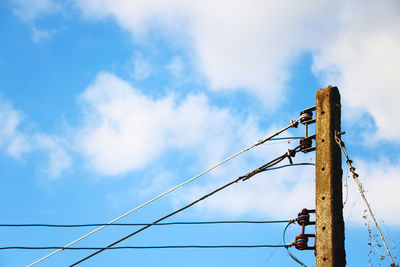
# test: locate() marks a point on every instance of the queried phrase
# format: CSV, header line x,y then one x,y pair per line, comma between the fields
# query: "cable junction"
x,y
241,178
361,189
291,124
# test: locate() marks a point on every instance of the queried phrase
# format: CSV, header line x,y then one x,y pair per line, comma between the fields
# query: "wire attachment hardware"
x,y
301,242
303,219
291,153
306,144
306,118
293,123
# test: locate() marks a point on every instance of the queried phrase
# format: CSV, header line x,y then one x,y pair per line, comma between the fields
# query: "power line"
x,y
291,124
241,178
144,247
142,224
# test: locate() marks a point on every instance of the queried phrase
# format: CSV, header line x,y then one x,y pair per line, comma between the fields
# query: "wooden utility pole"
x,y
329,227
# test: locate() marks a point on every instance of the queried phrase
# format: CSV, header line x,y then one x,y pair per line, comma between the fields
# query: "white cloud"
x,y
248,45
252,44
134,15
28,10
125,130
12,140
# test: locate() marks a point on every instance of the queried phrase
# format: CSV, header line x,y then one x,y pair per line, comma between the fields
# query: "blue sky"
x,y
106,104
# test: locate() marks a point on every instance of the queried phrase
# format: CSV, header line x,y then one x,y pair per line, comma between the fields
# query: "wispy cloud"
x,y
12,140
57,151
29,10
42,35
17,142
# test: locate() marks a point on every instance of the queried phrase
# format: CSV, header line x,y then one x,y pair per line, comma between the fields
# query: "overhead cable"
x,y
291,124
362,191
241,178
144,247
142,224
